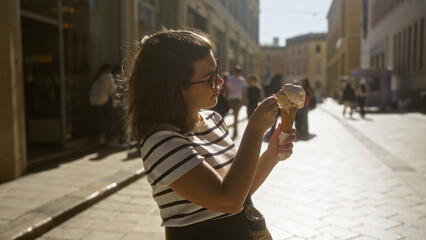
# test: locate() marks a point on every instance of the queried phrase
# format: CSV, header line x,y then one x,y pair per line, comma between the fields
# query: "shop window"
x,y
195,20
42,7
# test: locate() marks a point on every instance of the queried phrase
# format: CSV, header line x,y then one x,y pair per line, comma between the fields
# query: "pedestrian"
x,y
199,178
272,88
253,95
101,97
348,99
361,94
222,106
236,85
117,103
301,120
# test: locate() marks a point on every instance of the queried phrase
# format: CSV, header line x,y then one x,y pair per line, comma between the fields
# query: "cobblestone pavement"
x,y
354,179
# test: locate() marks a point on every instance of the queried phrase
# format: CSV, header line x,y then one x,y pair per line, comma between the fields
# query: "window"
x,y
415,48
395,50
318,48
422,46
409,50
195,20
146,19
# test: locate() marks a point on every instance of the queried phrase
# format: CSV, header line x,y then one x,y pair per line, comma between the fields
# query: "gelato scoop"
x,y
291,96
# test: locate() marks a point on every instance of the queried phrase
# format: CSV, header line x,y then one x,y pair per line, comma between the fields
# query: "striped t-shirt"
x,y
168,154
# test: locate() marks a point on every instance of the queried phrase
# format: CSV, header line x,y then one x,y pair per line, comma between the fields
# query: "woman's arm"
x,y
202,185
269,158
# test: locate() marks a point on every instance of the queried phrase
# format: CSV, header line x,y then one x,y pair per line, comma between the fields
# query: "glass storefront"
x,y
64,44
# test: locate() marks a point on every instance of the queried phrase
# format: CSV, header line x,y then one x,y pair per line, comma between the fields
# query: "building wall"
x,y
48,61
305,57
12,120
396,40
232,24
272,61
343,41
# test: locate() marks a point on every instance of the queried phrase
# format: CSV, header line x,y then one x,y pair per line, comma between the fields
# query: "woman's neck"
x,y
197,117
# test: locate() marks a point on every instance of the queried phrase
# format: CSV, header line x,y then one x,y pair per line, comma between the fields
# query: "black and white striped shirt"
x,y
168,154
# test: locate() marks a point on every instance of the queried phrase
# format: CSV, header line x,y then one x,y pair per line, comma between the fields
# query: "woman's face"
x,y
200,95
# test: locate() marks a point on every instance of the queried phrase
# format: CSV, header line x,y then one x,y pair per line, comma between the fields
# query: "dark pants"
x,y
235,105
302,126
361,102
106,119
250,109
229,228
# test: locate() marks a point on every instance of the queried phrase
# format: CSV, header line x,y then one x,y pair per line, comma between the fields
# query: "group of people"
x,y
350,95
237,92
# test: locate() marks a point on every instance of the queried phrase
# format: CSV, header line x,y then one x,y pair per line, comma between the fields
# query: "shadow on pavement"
x,y
104,152
133,154
306,138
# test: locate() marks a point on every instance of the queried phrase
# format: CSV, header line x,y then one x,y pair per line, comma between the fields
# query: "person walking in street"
x,y
273,86
361,95
101,96
348,99
253,95
222,106
198,177
301,120
236,85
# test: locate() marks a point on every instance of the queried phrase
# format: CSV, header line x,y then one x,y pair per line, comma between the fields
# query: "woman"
x,y
198,178
348,99
301,121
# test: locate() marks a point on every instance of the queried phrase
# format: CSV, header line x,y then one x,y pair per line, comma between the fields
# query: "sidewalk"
x,y
356,179
348,182
37,202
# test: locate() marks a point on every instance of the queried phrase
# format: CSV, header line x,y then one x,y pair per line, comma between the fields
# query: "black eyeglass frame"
x,y
215,75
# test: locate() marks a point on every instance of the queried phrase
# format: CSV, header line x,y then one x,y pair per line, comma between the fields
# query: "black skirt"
x,y
235,227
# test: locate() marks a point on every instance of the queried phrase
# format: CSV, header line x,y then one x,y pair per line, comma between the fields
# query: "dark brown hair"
x,y
162,66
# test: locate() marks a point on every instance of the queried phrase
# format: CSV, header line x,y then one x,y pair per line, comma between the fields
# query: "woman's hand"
x,y
286,148
264,115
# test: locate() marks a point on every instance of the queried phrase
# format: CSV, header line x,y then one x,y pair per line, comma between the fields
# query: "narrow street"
x,y
354,179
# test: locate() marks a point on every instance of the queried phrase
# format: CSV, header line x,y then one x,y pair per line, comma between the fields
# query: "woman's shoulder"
x,y
161,133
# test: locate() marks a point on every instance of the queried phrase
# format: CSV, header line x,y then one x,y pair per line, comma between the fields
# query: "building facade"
x,y
343,42
55,48
305,57
232,24
394,39
271,62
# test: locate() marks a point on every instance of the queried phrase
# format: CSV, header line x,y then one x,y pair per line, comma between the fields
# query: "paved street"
x,y
354,179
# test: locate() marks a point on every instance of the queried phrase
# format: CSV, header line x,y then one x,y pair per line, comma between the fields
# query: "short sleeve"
x,y
168,155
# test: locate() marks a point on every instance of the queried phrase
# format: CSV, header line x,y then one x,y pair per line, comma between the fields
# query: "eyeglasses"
x,y
212,79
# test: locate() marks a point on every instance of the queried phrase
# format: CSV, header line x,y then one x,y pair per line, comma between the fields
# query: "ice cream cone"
x,y
287,119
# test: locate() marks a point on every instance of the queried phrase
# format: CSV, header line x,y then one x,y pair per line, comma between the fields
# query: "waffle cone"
x,y
287,119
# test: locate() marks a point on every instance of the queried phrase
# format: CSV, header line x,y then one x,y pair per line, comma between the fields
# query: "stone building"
x,y
305,57
52,50
394,38
271,61
343,42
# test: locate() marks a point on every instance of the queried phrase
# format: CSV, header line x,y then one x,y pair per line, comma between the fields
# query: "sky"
x,y
291,18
